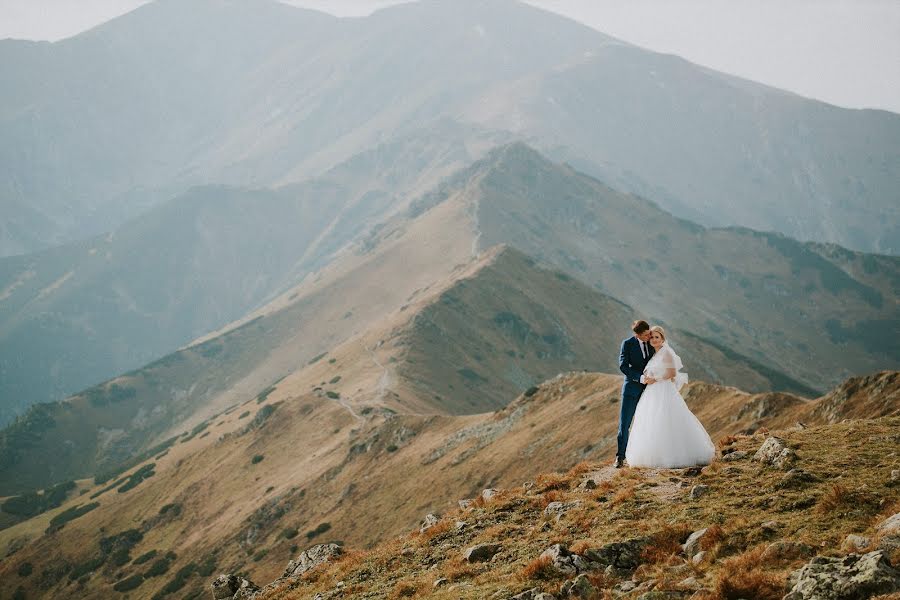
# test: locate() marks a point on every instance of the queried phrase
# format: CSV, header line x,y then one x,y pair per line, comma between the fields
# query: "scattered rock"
x,y
481,552
890,533
895,476
855,543
460,525
588,484
558,509
625,587
690,583
698,558
311,557
692,545
439,582
787,549
620,555
563,560
465,503
775,452
428,522
580,587
699,490
735,456
890,526
489,493
692,471
232,587
662,595
770,526
796,478
533,594
852,577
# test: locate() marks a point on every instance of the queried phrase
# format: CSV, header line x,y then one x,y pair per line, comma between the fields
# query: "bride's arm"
x,y
670,374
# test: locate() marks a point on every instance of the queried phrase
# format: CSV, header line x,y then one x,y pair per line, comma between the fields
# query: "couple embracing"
x,y
656,428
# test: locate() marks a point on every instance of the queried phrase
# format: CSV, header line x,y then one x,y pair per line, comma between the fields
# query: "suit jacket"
x,y
632,363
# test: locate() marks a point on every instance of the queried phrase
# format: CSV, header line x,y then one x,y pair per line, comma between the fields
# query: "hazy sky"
x,y
846,52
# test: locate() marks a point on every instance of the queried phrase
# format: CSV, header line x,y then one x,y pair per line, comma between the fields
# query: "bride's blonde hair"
x,y
660,331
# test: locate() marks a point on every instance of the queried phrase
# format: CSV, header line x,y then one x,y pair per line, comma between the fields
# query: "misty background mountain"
x,y
308,132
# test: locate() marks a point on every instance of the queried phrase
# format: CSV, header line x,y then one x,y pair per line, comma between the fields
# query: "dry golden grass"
x,y
837,497
457,569
579,469
408,589
745,576
623,495
666,544
552,481
539,569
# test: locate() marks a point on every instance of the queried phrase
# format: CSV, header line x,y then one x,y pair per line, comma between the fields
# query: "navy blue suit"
x,y
631,363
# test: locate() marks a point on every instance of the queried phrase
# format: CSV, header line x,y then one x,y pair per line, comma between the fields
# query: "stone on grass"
x,y
312,557
735,456
692,545
580,587
481,552
699,490
233,587
558,509
428,522
775,452
852,577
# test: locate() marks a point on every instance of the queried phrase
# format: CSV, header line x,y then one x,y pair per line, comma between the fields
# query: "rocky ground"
x,y
801,514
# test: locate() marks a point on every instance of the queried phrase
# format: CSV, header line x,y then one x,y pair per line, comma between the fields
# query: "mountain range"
x,y
786,326
99,127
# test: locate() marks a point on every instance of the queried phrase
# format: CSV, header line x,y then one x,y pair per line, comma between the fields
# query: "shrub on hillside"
x,y
257,459
319,530
32,504
129,583
70,514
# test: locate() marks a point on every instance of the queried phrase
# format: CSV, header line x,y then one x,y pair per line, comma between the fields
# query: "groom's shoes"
x,y
620,462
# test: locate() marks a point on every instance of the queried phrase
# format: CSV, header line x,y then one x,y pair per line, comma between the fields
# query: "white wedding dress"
x,y
664,431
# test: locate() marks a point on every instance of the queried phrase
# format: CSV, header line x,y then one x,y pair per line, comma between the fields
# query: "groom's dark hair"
x,y
640,326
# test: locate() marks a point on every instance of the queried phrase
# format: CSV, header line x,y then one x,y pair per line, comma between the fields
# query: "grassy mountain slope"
x,y
81,313
301,468
759,530
817,312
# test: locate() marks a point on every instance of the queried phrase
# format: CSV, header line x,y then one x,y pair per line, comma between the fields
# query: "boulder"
x,y
735,456
580,587
775,452
855,543
233,587
563,560
889,531
852,577
489,493
890,526
533,594
624,555
699,490
558,509
481,552
786,550
796,478
428,522
692,545
311,557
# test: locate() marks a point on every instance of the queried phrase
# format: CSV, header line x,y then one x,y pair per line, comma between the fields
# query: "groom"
x,y
633,357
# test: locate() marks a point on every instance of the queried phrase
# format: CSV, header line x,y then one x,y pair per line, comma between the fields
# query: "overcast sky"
x,y
846,52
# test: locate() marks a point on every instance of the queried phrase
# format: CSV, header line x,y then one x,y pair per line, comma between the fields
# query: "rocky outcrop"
x,y
775,452
580,587
563,560
233,587
853,577
312,557
623,556
481,552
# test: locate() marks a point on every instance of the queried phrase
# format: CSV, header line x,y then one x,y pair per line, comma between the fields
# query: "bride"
x,y
665,433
